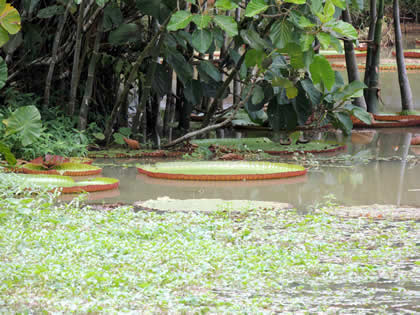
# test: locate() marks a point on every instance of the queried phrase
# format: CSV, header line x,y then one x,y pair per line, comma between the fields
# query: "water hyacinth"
x,y
70,258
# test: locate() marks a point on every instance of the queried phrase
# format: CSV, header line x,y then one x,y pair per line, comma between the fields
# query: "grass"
x,y
72,258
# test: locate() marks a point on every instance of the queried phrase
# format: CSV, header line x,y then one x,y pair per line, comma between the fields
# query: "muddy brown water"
x,y
384,171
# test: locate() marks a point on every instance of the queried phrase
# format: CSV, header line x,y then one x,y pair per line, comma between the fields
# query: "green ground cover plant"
x,y
67,257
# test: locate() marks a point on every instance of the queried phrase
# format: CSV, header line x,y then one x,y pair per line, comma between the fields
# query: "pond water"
x,y
384,171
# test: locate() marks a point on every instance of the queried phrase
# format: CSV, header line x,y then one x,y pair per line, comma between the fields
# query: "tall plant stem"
x,y
212,127
351,62
220,91
84,107
75,74
131,78
54,55
405,89
146,88
373,87
370,48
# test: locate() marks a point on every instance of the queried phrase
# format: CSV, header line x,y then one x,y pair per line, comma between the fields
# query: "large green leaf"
x,y
341,121
202,40
7,154
3,72
226,5
321,71
201,20
4,36
10,19
193,92
281,33
255,7
207,68
180,20
50,11
227,23
296,55
342,28
26,121
182,68
253,39
124,34
354,89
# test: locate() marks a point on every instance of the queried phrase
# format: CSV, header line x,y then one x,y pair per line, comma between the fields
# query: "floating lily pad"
x,y
270,147
82,160
68,169
410,53
221,170
335,54
134,154
68,184
395,117
388,124
168,204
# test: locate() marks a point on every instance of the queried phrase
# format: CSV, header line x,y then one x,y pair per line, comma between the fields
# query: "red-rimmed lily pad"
x,y
208,205
410,53
395,117
82,160
221,170
135,154
335,54
388,124
69,185
67,169
266,145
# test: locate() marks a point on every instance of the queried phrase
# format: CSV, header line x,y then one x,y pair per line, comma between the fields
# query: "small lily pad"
x,y
66,169
208,205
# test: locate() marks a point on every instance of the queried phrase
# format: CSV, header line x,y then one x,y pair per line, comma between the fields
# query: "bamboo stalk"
x,y
57,39
84,107
76,61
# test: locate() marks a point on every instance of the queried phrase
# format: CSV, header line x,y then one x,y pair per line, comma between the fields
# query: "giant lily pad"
x,y
68,184
134,154
69,169
168,204
268,146
410,53
218,170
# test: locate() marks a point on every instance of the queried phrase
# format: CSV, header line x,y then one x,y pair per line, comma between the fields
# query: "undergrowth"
x,y
62,258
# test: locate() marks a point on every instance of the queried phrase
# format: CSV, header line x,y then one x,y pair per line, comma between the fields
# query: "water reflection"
x,y
390,179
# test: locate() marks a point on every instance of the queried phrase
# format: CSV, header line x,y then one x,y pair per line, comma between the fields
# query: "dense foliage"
x,y
105,61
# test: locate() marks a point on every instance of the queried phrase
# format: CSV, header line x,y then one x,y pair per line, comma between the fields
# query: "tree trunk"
x,y
373,87
351,62
405,89
84,107
54,55
76,61
221,90
131,78
370,48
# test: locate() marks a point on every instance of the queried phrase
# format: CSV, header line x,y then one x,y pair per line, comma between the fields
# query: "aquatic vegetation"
x,y
67,169
410,53
227,145
121,153
335,54
221,170
69,258
66,184
382,67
